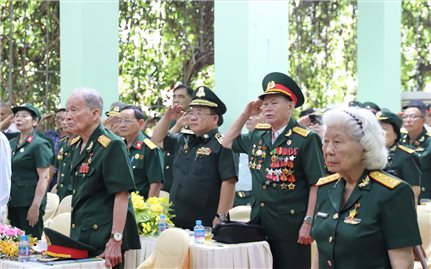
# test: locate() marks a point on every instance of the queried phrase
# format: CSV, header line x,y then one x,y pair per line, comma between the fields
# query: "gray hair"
x,y
363,127
91,97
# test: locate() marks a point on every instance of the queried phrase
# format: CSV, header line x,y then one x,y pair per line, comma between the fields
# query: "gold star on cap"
x,y
201,92
270,85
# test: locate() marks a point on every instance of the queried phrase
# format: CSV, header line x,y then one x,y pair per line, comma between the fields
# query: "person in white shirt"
x,y
5,173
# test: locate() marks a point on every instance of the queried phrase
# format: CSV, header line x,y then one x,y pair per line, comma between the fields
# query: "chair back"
x,y
61,223
54,189
65,205
164,194
52,202
171,251
240,213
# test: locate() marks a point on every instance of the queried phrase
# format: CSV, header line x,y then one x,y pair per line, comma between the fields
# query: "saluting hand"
x,y
254,107
112,253
304,237
174,112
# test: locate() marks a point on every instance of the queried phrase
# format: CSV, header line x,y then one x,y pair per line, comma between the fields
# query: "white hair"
x,y
91,97
363,127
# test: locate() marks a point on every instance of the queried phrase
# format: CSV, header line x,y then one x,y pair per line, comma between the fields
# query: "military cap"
x,y
371,105
115,109
279,83
62,246
391,118
29,107
416,103
355,103
204,96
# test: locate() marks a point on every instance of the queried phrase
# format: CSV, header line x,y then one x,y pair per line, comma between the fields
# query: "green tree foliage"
x,y
30,53
163,43
322,50
416,46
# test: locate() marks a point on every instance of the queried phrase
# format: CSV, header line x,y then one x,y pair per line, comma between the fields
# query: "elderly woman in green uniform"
x,y
31,156
364,217
285,163
402,161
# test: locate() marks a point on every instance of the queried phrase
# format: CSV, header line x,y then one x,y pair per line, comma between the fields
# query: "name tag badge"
x,y
322,215
203,151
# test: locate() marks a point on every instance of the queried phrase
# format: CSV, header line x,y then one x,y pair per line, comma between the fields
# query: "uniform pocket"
x,y
96,231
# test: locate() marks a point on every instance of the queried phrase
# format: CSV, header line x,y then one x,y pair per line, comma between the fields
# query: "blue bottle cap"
x,y
198,222
23,237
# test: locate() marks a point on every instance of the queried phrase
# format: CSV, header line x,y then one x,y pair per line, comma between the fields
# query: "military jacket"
x,y
200,166
281,176
378,216
404,164
99,171
168,161
62,163
422,147
147,163
34,153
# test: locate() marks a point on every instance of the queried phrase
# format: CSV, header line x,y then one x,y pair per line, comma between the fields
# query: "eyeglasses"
x,y
411,116
197,114
126,121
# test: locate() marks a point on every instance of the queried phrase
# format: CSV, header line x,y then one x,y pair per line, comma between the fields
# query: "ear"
x,y
95,114
215,119
141,123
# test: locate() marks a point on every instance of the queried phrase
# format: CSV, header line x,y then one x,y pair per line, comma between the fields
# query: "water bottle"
x,y
162,225
199,232
23,249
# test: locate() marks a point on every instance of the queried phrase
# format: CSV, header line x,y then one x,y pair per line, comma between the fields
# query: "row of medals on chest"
x,y
281,167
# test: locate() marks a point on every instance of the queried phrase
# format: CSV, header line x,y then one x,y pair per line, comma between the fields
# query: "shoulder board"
x,y
328,179
386,180
150,143
406,149
301,131
104,140
403,131
75,140
186,131
219,137
64,139
262,126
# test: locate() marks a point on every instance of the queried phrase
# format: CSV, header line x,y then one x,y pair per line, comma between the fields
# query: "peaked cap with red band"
x,y
279,83
62,246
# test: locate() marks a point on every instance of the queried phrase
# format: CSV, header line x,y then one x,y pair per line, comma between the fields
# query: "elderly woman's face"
x,y
341,152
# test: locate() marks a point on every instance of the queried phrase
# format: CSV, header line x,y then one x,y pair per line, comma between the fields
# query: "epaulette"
x,y
263,126
386,180
219,137
406,149
301,131
150,143
403,130
186,131
104,140
75,140
64,139
325,180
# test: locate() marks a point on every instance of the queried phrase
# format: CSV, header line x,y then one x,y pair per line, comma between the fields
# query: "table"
x,y
90,264
211,255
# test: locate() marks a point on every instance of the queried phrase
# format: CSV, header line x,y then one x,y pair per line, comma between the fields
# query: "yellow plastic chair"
x,y
171,251
52,202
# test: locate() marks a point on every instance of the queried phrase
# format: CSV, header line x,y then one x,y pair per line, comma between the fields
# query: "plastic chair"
x,y
54,189
171,251
164,194
240,213
61,223
52,202
65,205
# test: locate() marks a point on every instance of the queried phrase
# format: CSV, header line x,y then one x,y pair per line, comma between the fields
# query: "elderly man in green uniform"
x,y
63,161
31,156
285,162
145,157
418,139
102,178
204,172
402,161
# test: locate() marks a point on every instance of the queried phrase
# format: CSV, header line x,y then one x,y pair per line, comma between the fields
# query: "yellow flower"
x,y
153,200
156,208
163,200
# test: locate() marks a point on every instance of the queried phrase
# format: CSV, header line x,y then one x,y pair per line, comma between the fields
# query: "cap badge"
x,y
270,85
201,92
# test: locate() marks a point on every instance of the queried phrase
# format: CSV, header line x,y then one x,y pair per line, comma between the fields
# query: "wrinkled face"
x,y
277,109
341,152
182,98
413,119
202,120
79,116
24,121
390,134
129,125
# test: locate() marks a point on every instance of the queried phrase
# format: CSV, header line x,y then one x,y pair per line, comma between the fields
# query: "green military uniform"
x,y
379,216
168,162
147,164
98,172
34,153
282,174
404,163
422,147
62,163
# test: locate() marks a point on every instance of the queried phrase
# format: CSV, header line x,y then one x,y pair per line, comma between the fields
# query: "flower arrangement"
x,y
9,239
147,213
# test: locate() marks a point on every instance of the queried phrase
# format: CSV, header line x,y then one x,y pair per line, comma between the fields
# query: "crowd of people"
x,y
341,176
